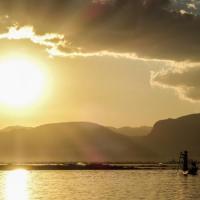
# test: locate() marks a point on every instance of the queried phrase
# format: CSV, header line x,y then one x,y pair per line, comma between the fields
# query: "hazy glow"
x,y
21,82
16,187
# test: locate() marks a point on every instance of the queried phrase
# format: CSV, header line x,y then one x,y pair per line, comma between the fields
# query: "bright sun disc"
x,y
21,82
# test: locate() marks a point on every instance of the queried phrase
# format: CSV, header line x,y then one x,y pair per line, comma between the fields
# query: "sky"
x,y
113,62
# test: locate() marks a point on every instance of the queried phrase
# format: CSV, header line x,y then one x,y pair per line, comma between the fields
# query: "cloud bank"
x,y
148,28
52,41
56,45
152,29
184,80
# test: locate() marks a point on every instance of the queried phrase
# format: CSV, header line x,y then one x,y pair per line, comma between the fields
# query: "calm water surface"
x,y
97,185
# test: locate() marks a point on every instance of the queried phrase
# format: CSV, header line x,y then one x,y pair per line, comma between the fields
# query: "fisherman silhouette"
x,y
193,169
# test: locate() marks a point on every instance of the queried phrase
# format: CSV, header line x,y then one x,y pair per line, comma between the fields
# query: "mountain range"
x,y
90,142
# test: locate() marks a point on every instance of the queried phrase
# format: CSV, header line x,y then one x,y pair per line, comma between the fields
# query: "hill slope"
x,y
75,141
89,142
133,131
170,136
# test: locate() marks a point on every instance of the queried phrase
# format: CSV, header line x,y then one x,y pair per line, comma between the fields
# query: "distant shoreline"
x,y
89,166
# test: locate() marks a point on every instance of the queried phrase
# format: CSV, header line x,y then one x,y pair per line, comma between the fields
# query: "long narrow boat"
x,y
188,167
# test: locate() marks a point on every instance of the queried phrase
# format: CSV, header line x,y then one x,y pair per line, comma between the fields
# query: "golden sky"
x,y
98,61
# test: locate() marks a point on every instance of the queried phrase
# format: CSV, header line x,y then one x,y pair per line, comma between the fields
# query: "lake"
x,y
97,185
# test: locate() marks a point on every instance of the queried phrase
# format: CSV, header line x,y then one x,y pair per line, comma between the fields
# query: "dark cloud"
x,y
189,6
185,81
148,28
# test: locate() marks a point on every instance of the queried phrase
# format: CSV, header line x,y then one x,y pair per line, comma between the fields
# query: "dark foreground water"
x,y
97,185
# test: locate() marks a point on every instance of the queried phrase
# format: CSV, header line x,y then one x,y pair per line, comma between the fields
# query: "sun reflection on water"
x,y
16,186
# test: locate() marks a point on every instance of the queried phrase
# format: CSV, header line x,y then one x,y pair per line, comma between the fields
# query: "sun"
x,y
22,81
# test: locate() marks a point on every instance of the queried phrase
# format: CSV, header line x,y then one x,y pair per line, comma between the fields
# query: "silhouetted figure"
x,y
184,160
184,164
193,170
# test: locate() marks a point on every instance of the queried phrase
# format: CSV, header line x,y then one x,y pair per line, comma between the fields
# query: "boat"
x,y
188,167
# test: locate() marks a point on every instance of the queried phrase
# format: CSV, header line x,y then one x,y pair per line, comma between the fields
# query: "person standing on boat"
x,y
184,157
193,169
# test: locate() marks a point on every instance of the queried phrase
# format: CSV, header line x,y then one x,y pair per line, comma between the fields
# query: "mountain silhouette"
x,y
68,142
133,131
90,142
170,136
